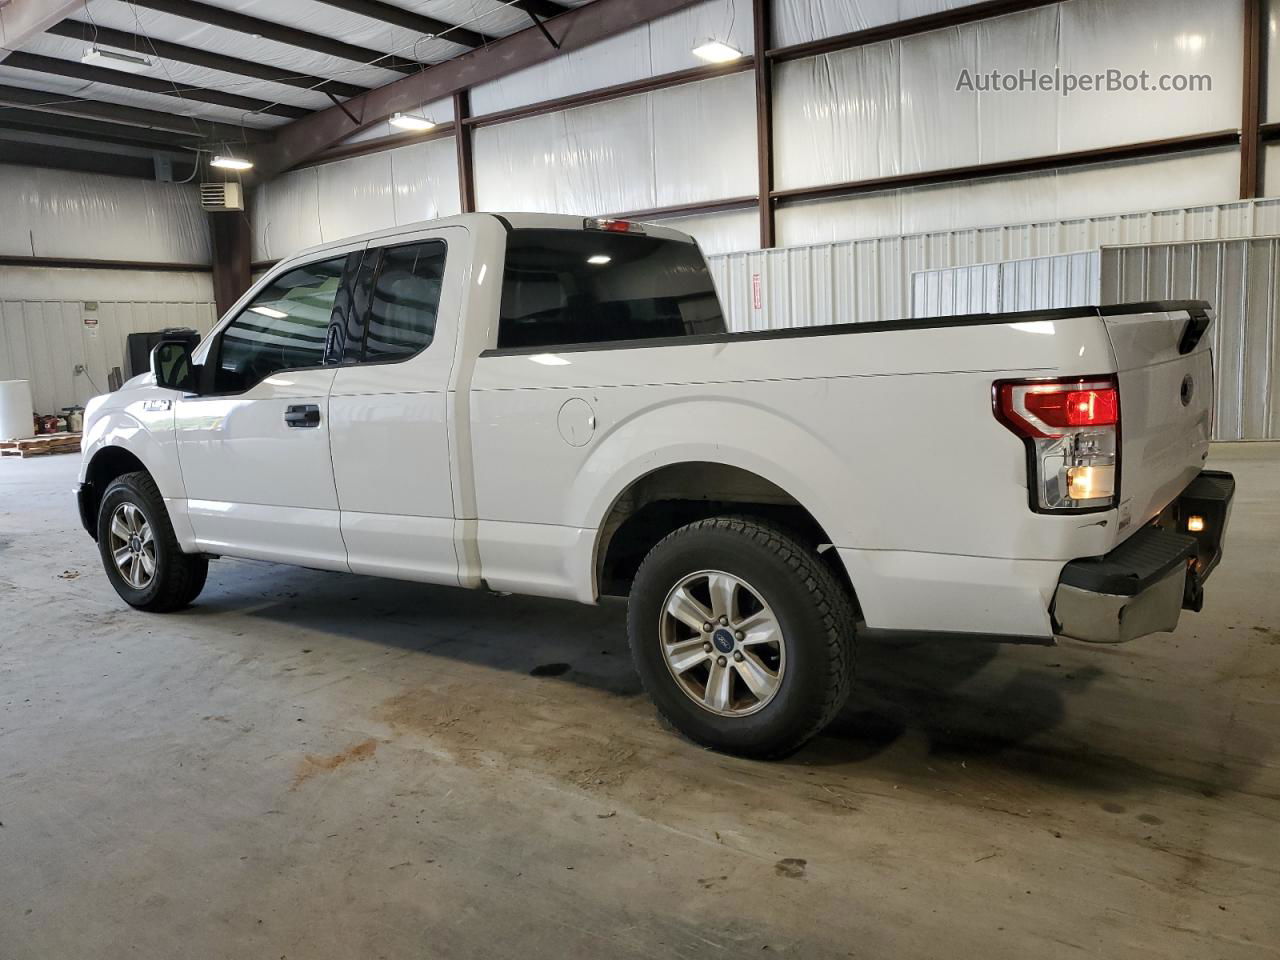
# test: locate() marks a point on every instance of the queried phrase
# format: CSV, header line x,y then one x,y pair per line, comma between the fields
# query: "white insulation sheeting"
x,y
894,108
687,144
799,21
1271,169
43,341
61,213
1204,177
862,280
348,197
660,46
1272,27
720,232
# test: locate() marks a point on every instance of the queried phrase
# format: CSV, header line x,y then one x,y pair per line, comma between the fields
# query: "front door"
x,y
254,446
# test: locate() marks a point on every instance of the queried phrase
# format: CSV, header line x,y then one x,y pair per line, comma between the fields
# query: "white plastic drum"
x,y
16,410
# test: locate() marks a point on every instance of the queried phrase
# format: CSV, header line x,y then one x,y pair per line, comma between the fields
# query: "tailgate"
x,y
1165,371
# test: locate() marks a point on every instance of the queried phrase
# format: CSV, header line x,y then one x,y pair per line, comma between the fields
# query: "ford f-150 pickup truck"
x,y
550,405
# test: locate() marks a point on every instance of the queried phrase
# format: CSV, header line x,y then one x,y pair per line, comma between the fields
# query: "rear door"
x,y
254,446
389,410
1166,403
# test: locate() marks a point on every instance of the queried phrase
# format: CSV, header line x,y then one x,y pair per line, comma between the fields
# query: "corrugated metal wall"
x,y
1040,283
1240,278
43,340
855,281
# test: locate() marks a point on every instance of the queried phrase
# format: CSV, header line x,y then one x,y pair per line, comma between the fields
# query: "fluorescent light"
x,y
549,360
271,312
407,122
599,258
128,62
230,163
715,51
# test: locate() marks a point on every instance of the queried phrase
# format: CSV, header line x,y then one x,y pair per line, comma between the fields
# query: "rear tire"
x,y
140,551
778,667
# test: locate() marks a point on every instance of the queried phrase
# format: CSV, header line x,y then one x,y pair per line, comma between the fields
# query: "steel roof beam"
x,y
279,32
54,103
574,29
180,53
135,81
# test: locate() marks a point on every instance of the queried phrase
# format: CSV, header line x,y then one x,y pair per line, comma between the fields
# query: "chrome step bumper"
x,y
1144,584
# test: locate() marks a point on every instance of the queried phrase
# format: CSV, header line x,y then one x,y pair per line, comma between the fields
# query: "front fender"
x,y
144,427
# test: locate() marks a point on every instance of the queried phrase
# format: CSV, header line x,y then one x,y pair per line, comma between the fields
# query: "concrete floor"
x,y
311,765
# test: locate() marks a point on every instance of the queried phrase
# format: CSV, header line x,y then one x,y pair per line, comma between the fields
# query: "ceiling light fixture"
x,y
599,258
128,62
408,122
230,163
716,51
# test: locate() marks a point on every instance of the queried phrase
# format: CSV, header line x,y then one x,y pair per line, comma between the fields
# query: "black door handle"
x,y
302,415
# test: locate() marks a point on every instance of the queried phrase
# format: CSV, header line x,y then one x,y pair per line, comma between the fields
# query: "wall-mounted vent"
x,y
221,196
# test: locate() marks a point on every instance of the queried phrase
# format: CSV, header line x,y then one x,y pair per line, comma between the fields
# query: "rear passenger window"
x,y
564,287
405,302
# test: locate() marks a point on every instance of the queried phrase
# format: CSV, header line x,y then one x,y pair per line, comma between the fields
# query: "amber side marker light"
x,y
1195,524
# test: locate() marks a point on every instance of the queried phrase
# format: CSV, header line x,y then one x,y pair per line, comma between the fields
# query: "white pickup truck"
x,y
551,405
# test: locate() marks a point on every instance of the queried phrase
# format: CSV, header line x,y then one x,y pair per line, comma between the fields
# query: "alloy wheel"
x,y
133,546
722,643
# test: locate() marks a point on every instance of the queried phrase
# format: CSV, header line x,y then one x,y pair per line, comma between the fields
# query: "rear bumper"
x,y
1143,585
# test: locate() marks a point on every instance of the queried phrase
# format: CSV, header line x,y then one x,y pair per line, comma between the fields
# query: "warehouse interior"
x,y
311,764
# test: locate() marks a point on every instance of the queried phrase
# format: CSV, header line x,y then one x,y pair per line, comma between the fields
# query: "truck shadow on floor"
x,y
960,701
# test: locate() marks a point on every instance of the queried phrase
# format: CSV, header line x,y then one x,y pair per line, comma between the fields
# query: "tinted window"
x,y
350,309
587,286
406,299
284,327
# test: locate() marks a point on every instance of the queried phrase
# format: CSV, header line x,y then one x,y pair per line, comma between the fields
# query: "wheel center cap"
x,y
723,639
135,544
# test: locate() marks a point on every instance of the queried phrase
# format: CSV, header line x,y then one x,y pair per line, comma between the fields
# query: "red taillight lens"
x,y
1096,407
1046,408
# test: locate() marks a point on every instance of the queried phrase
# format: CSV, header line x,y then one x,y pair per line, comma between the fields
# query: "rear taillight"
x,y
1071,428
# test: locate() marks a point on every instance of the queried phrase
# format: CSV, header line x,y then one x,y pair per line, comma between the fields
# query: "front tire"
x,y
742,636
140,551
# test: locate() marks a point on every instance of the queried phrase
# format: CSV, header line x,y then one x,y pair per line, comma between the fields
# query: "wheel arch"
x,y
666,498
105,464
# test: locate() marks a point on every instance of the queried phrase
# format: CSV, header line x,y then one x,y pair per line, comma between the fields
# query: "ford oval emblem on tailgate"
x,y
1188,390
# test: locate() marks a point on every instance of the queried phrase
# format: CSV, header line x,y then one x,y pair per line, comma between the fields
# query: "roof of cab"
x,y
516,220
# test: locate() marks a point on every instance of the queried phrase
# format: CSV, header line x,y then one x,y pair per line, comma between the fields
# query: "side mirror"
x,y
172,367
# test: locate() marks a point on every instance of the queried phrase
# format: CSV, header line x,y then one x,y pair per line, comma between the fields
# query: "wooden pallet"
x,y
41,446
